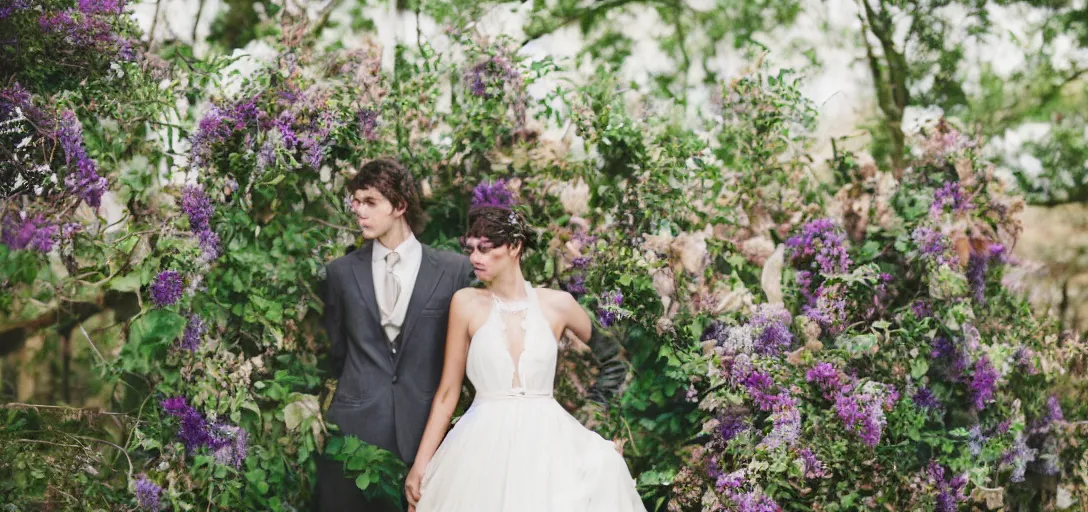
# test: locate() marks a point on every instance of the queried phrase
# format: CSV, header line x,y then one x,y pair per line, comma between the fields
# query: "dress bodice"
x,y
514,352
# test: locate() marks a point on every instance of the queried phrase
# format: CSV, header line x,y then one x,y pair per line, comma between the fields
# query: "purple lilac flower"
x,y
754,502
952,354
83,180
925,399
167,288
826,376
10,9
489,75
22,232
219,124
984,383
759,387
194,330
230,444
729,480
368,123
581,262
786,424
824,244
933,245
921,309
773,322
976,276
863,414
195,431
608,309
101,6
951,194
975,440
1054,410
1024,358
1017,457
492,194
576,285
81,30
949,492
814,467
732,424
829,310
195,204
209,245
147,493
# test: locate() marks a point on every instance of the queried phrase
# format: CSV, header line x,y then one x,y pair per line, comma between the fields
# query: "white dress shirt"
x,y
411,256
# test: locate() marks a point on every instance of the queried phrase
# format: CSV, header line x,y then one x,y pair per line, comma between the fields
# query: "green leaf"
x,y
918,368
126,283
363,481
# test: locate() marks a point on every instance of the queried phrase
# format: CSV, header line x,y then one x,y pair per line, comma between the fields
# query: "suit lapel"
x,y
426,281
364,277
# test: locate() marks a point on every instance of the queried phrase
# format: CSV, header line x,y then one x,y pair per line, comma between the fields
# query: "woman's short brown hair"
x,y
394,182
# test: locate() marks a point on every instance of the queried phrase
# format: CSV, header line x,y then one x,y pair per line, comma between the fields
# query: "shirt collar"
x,y
406,248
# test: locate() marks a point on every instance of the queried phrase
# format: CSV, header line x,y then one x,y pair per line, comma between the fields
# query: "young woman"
x,y
515,449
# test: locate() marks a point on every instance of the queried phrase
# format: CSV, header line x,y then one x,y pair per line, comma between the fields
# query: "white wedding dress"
x,y
516,449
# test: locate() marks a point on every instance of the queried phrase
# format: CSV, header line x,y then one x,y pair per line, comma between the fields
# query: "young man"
x,y
386,311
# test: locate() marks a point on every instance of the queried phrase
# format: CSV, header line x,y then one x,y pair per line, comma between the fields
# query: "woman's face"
x,y
488,260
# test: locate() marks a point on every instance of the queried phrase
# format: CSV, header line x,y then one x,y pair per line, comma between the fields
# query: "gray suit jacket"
x,y
381,399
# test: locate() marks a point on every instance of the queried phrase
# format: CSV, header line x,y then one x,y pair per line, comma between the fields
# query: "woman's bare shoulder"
x,y
556,298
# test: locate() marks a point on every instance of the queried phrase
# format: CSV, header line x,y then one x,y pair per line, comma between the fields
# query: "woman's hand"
x,y
412,485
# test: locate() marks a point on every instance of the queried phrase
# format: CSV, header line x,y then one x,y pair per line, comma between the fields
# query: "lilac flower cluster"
x,y
731,424
814,467
983,383
368,123
772,322
828,309
195,204
167,288
921,309
306,124
219,124
933,246
952,355
754,502
1017,457
786,423
227,442
862,412
22,231
820,246
494,193
977,265
925,399
826,376
88,27
15,5
491,75
147,493
950,492
609,308
950,194
194,330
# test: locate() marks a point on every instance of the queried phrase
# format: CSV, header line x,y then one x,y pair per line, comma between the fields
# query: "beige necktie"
x,y
391,291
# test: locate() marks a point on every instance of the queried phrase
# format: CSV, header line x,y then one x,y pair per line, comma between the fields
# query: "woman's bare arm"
x,y
575,317
453,374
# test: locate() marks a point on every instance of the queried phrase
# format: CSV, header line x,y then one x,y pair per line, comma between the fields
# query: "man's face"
x,y
374,213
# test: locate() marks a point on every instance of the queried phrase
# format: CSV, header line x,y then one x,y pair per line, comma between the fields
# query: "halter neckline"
x,y
513,306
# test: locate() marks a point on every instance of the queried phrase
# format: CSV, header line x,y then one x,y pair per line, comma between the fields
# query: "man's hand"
x,y
412,485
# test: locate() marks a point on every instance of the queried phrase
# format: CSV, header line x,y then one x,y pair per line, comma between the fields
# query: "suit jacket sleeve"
x,y
334,323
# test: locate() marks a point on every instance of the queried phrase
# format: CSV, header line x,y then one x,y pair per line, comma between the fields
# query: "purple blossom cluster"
x,y
862,412
921,309
772,323
754,502
953,355
826,377
951,194
785,423
610,308
82,179
368,123
194,331
492,193
950,491
821,246
977,265
199,209
228,443
1017,458
221,123
983,383
167,288
814,467
89,27
829,309
933,246
22,231
491,75
306,125
15,5
731,424
925,399
147,493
